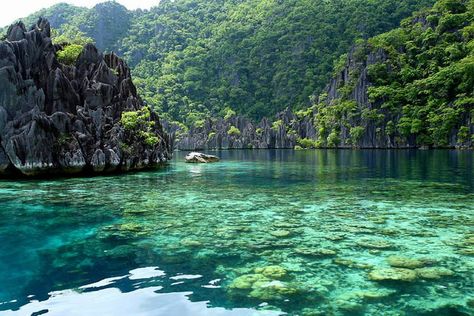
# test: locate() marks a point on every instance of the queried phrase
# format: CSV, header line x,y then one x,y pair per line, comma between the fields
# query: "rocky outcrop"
x,y
343,117
195,157
354,75
66,119
239,132
352,84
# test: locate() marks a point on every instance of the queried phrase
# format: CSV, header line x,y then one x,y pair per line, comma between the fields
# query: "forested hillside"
x,y
195,58
412,86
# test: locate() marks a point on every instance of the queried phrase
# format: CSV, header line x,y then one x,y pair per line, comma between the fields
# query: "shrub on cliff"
x,y
139,125
233,131
69,54
356,134
306,143
73,41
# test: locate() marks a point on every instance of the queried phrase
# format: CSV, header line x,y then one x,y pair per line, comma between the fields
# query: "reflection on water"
x,y
125,296
305,233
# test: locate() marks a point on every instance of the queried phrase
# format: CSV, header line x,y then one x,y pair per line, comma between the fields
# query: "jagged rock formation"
x,y
401,90
239,132
397,90
288,129
374,135
65,119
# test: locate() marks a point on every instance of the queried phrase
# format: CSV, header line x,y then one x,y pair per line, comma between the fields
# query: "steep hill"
x,y
410,87
195,58
68,109
57,15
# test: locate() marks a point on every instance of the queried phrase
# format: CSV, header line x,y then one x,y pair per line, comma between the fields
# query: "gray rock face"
x,y
217,133
371,138
287,127
63,119
375,135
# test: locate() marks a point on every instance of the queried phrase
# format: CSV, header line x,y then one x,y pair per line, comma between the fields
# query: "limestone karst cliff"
x,y
238,132
57,118
411,87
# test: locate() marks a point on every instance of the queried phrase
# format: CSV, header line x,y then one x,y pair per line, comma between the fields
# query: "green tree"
x,y
69,54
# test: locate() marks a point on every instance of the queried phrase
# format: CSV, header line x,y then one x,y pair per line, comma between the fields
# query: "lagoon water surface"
x,y
263,232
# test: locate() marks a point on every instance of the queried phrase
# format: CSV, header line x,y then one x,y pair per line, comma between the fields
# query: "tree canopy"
x,y
195,58
424,87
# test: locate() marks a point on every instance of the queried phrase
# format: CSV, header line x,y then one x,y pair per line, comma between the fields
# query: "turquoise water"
x,y
260,233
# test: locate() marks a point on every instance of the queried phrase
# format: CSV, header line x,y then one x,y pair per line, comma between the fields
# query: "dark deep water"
x,y
263,232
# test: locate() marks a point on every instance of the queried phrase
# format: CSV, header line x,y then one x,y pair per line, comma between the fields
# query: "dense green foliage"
x,y
72,40
140,126
106,23
68,55
256,57
58,15
194,58
233,131
424,87
70,35
306,143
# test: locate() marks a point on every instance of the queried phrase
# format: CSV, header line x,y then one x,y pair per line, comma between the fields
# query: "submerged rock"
x,y
470,302
272,272
280,233
272,290
124,231
195,157
393,274
401,266
374,294
352,264
319,252
58,118
467,251
264,284
441,308
357,300
246,281
187,242
404,262
374,244
433,272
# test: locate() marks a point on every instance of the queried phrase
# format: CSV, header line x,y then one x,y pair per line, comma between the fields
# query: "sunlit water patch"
x,y
260,233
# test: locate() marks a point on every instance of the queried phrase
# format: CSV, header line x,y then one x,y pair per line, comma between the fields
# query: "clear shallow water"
x,y
261,233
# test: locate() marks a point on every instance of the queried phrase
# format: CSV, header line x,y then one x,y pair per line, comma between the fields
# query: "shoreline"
x,y
331,148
